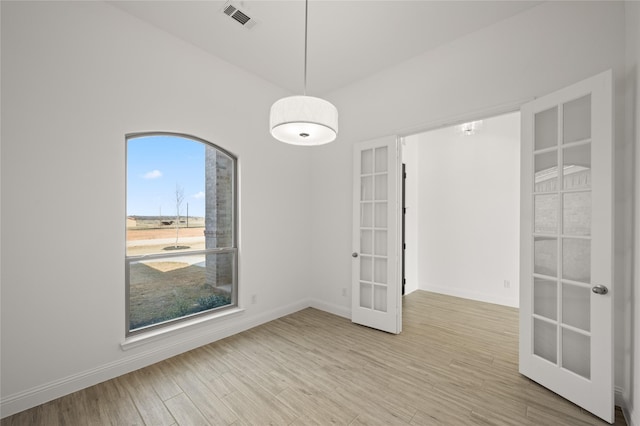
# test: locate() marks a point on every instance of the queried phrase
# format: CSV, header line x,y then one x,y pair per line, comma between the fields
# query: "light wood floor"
x,y
454,364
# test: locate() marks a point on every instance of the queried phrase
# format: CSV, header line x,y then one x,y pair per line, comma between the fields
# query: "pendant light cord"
x,y
306,15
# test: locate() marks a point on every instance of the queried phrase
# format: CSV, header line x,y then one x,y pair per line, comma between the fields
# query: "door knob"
x,y
599,289
354,254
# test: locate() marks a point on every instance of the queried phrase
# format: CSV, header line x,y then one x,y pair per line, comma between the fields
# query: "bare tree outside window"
x,y
179,199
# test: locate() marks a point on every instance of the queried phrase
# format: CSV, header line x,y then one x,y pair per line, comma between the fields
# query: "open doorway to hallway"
x,y
463,210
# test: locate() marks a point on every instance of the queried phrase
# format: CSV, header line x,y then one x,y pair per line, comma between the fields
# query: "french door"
x,y
376,283
566,287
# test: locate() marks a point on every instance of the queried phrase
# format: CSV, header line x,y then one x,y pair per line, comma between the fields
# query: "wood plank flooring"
x,y
455,363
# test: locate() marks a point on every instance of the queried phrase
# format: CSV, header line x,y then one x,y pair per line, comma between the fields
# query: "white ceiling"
x,y
347,40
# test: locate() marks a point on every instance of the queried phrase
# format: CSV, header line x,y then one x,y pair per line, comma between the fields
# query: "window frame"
x,y
211,313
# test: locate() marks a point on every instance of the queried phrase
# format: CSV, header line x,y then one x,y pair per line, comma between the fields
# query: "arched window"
x,y
182,255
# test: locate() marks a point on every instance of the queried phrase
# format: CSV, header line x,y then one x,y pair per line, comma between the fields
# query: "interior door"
x,y
566,287
376,300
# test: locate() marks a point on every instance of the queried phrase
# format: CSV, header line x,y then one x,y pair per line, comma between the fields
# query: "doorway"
x,y
463,209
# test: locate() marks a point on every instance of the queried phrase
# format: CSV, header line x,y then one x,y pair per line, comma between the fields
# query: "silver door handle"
x,y
599,289
354,254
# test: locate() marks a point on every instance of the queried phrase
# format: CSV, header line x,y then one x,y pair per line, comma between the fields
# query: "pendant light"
x,y
304,120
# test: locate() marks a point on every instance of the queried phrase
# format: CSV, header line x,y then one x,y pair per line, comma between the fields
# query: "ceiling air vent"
x,y
238,15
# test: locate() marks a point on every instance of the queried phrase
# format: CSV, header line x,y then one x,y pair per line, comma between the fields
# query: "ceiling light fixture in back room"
x,y
304,120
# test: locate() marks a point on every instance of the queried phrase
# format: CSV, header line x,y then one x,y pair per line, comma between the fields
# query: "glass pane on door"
x,y
545,213
381,187
576,214
381,215
366,215
562,219
545,256
366,188
366,268
577,167
576,352
366,161
576,306
366,241
546,171
380,298
577,120
546,129
381,159
545,298
381,243
545,342
366,294
380,270
576,259
373,253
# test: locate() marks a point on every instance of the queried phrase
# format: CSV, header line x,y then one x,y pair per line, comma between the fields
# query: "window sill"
x,y
175,329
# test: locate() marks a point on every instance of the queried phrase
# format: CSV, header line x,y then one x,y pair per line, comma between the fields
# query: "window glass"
x,y
181,255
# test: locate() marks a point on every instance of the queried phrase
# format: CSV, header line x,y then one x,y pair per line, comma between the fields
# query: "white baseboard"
x,y
633,419
479,296
338,310
623,403
29,398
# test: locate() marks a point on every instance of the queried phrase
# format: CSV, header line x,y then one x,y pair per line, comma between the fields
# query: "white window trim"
x,y
158,331
162,333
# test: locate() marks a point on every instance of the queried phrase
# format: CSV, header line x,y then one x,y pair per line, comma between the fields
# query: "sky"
x,y
155,165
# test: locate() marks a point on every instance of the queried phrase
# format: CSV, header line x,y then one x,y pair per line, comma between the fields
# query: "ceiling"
x,y
347,40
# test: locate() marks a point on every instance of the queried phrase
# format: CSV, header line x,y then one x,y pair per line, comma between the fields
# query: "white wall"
x,y
469,210
632,356
76,77
541,50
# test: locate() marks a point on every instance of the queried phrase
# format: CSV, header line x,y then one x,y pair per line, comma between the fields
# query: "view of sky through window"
x,y
156,165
